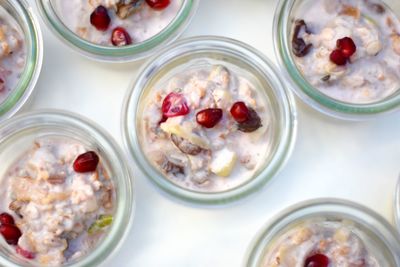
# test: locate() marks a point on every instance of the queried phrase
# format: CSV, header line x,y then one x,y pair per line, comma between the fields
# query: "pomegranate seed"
x,y
338,58
100,18
347,46
317,260
6,218
11,233
158,4
240,112
174,105
24,253
209,117
86,162
120,37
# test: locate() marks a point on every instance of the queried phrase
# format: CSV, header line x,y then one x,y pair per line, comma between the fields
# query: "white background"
x,y
356,161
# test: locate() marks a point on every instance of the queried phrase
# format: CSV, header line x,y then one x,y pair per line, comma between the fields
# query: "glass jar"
x,y
50,12
284,18
195,52
19,133
19,95
374,231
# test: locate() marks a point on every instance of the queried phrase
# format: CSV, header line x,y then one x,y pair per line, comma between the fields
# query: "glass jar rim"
x,y
217,45
311,95
397,205
328,206
119,54
124,182
33,65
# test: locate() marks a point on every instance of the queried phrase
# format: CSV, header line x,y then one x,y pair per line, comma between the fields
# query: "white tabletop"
x,y
356,161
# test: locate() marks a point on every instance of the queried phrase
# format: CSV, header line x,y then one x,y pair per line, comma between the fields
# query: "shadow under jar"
x,y
341,57
66,192
117,30
326,232
20,55
209,120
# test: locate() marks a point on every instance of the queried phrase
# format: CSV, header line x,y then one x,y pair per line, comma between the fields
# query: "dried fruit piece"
x,y
317,260
124,8
347,46
86,162
174,105
252,123
24,253
11,233
6,218
240,112
173,167
338,58
102,222
351,11
299,46
185,146
209,117
377,8
120,37
158,4
100,18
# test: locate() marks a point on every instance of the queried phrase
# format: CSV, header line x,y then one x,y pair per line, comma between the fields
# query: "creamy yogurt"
x,y
59,211
340,241
372,73
196,157
141,25
12,54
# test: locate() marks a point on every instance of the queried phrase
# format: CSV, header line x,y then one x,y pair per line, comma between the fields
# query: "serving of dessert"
x,y
349,49
57,202
206,129
118,22
12,53
326,233
209,120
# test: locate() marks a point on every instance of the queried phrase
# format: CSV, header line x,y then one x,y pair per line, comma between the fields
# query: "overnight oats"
x,y
118,30
118,22
57,202
206,129
66,191
342,57
208,120
327,233
349,49
12,54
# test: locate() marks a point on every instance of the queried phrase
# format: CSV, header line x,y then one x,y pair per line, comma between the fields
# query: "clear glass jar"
x,y
375,232
285,15
50,13
221,51
29,25
18,134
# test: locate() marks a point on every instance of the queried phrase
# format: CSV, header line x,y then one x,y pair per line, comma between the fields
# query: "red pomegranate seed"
x,y
24,253
120,37
347,46
11,233
86,162
317,260
174,105
338,58
209,117
158,4
6,218
100,18
240,112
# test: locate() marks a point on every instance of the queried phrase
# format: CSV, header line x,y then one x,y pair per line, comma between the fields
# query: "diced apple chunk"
x,y
171,127
223,162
